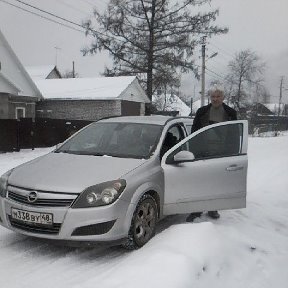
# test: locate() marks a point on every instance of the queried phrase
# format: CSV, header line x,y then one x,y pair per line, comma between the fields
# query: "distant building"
x,y
43,72
18,93
91,98
170,104
276,108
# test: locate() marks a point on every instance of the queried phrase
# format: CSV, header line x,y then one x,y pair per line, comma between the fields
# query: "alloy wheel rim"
x,y
145,222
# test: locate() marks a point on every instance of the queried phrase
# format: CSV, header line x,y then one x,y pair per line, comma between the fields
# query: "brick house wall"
x,y
78,109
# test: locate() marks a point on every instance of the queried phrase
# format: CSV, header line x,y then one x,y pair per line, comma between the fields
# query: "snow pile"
x,y
244,248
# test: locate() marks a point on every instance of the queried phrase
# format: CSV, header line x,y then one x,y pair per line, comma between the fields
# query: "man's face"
x,y
217,99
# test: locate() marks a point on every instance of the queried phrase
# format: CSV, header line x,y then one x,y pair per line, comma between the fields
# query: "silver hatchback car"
x,y
114,179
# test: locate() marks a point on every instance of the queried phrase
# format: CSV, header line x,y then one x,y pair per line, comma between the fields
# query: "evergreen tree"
x,y
151,37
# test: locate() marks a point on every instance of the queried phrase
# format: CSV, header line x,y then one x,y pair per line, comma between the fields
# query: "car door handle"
x,y
234,168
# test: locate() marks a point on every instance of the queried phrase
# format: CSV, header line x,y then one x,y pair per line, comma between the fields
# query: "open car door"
x,y
207,170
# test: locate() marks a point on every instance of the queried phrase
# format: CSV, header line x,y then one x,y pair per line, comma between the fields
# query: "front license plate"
x,y
32,217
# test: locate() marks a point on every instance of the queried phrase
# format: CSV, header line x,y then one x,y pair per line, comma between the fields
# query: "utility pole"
x,y
279,107
280,96
203,71
73,70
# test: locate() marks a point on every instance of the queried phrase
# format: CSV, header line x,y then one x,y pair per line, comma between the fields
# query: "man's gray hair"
x,y
216,90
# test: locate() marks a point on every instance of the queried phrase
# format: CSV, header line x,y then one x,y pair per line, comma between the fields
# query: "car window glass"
x,y
129,140
173,136
220,141
188,128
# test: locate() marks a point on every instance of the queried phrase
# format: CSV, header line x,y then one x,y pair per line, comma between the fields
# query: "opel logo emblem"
x,y
32,197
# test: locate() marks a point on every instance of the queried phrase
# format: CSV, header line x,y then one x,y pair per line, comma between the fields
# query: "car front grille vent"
x,y
42,198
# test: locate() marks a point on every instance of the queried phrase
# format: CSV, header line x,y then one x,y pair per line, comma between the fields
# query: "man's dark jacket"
x,y
202,116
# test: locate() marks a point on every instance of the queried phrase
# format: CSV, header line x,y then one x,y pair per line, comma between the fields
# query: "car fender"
x,y
140,191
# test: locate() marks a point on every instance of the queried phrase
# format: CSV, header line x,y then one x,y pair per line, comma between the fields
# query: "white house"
x,y
18,93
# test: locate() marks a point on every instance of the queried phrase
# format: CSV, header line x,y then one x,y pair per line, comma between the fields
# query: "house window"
x,y
19,112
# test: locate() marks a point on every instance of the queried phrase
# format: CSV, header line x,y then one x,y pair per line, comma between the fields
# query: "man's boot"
x,y
213,214
191,217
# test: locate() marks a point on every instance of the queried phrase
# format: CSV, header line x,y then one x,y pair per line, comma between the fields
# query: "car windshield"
x,y
125,140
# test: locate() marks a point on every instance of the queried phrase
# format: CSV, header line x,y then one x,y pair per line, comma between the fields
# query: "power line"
x,y
73,7
69,21
49,13
74,23
224,51
218,75
89,3
213,77
41,16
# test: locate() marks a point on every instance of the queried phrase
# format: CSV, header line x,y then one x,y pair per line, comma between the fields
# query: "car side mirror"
x,y
181,156
58,146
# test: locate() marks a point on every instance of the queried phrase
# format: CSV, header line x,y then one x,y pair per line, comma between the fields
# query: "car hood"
x,y
62,172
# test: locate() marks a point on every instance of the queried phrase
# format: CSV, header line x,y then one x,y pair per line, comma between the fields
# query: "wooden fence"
x,y
26,133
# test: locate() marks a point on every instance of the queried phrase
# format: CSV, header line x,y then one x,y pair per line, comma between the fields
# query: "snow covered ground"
x,y
244,248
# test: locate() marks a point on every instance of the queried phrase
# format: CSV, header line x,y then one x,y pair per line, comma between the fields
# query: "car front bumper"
x,y
100,224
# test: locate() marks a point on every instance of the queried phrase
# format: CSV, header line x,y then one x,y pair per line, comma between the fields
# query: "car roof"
x,y
153,119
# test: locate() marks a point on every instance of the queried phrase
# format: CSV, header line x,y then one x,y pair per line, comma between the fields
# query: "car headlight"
x,y
4,183
100,194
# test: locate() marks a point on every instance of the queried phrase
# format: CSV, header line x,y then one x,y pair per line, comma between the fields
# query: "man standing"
x,y
212,113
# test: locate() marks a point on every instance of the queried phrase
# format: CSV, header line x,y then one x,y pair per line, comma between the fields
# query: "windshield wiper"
x,y
70,152
62,151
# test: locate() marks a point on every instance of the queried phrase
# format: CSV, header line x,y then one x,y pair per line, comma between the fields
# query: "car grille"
x,y
35,228
44,198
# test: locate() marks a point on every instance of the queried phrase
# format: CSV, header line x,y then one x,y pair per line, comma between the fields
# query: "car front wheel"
x,y
143,223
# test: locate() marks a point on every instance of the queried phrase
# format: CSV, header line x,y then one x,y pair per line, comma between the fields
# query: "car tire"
x,y
143,224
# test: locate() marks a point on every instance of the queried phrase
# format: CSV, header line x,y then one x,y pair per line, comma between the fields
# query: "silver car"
x,y
114,179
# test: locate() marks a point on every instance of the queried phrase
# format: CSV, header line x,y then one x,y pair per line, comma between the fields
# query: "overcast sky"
x,y
259,25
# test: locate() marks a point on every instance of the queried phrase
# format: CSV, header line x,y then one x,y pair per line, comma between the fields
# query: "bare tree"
x,y
70,74
152,37
245,71
262,94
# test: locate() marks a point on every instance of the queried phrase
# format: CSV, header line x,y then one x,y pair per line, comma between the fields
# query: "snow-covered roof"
x,y
274,107
39,72
101,88
174,103
179,105
196,105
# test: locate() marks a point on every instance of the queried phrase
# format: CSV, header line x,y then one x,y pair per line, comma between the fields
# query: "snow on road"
x,y
244,248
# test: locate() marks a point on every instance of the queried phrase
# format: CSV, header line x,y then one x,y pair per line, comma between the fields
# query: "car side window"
x,y
221,141
188,128
174,135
